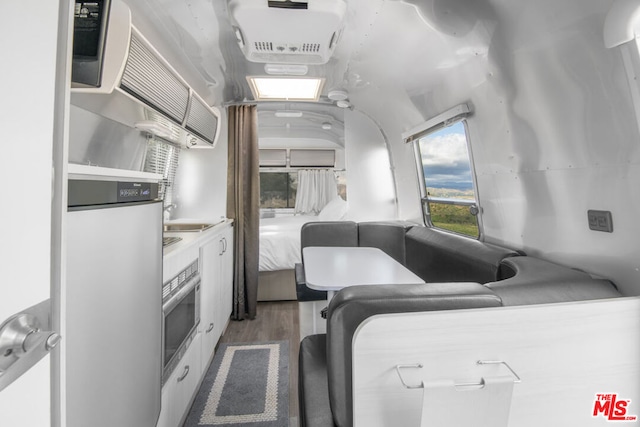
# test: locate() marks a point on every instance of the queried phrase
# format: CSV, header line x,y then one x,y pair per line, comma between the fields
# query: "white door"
x,y
33,95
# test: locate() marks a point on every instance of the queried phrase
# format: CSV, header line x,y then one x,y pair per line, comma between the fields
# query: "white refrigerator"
x,y
112,365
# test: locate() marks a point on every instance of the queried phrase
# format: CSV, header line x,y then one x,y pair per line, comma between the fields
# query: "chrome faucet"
x,y
167,211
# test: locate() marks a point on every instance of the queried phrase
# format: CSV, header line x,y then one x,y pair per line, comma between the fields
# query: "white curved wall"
x,y
370,191
553,132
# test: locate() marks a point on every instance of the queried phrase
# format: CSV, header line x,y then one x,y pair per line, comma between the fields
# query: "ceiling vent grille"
x,y
298,32
288,4
147,79
311,47
264,46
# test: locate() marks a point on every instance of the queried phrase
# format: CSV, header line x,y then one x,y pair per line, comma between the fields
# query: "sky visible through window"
x,y
448,180
445,159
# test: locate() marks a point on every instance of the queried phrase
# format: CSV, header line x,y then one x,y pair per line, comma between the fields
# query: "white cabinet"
x,y
210,254
226,278
181,386
216,256
216,288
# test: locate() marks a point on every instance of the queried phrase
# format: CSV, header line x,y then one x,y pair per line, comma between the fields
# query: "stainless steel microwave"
x,y
181,317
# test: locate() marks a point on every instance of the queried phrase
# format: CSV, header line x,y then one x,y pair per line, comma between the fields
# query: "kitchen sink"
x,y
166,241
176,227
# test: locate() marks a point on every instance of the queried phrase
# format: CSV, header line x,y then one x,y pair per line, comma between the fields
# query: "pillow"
x,y
335,210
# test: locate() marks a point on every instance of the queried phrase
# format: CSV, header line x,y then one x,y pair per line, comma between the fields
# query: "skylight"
x,y
285,88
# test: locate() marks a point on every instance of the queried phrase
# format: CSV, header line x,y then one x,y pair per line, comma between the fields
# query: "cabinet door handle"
x,y
224,240
221,247
184,375
210,328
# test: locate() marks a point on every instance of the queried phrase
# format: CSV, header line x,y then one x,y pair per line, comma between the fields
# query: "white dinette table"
x,y
332,268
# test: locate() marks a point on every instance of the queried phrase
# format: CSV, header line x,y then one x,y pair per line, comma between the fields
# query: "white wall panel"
x,y
370,189
32,115
201,180
553,129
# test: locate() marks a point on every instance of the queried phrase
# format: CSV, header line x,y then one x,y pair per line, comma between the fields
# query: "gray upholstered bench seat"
x,y
528,280
325,360
313,383
388,236
440,256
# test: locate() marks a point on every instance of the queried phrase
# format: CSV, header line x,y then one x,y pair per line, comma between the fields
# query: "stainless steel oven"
x,y
181,312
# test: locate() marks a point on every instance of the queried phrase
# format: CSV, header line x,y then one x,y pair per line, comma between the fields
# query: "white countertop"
x,y
190,237
181,254
334,268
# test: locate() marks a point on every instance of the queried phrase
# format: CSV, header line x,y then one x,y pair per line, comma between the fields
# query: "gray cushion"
x,y
329,233
387,236
351,306
530,280
313,388
439,256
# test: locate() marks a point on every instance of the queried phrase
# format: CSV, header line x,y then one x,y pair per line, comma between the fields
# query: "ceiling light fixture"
x,y
285,113
326,126
338,95
286,69
153,128
285,88
343,104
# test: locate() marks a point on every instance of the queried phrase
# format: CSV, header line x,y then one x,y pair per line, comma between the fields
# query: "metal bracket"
x,y
500,362
413,366
472,384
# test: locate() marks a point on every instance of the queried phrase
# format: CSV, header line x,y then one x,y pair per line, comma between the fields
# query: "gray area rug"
x,y
246,385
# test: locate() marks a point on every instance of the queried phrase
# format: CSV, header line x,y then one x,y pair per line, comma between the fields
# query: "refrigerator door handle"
x,y
184,374
23,342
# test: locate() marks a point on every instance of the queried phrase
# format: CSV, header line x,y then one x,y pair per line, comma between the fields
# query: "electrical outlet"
x,y
600,221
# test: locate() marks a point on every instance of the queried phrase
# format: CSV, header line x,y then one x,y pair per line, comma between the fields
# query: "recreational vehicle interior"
x,y
320,213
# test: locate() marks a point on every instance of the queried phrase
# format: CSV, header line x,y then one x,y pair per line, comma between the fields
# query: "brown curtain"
x,y
243,205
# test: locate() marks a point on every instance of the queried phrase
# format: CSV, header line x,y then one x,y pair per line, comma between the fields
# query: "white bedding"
x,y
280,241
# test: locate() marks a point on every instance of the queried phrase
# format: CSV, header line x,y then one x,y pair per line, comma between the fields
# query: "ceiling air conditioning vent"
x,y
264,46
147,79
288,4
298,32
310,47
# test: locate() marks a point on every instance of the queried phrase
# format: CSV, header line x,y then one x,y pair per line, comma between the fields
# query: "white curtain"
x,y
316,188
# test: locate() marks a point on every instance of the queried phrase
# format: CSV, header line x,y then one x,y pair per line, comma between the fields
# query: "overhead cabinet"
x,y
127,80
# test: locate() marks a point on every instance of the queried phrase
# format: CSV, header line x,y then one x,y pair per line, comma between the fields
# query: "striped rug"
x,y
246,385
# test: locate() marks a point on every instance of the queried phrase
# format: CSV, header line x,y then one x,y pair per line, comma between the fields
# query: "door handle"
x,y
23,342
210,328
184,374
224,245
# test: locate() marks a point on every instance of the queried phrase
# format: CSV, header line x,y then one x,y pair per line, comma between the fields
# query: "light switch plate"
x,y
600,221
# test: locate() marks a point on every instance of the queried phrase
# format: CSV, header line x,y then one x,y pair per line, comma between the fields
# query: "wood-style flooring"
x,y
275,321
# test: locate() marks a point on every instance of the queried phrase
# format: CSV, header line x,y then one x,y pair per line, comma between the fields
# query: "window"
x,y
278,190
448,194
285,88
162,158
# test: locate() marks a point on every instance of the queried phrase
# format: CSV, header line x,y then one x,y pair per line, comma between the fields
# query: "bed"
x,y
280,250
280,241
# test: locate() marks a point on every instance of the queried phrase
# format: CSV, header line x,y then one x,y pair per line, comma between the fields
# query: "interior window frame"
x,y
424,197
287,171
